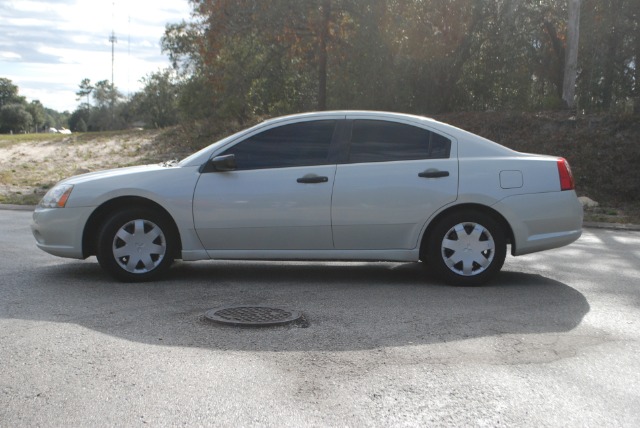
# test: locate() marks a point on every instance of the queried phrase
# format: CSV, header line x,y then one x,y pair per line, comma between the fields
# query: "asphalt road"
x,y
554,341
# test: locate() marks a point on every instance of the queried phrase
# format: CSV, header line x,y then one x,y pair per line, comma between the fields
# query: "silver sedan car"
x,y
343,185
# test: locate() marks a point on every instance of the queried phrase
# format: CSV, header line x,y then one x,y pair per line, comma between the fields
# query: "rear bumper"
x,y
542,221
58,231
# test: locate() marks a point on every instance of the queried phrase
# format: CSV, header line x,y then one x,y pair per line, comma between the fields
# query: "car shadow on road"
x,y
349,306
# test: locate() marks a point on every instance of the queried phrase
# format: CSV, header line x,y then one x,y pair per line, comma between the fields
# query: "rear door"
x,y
393,178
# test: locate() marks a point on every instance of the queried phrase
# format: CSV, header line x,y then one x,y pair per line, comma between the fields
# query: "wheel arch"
x,y
100,214
506,227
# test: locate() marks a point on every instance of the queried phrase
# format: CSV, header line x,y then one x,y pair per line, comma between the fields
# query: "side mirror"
x,y
220,164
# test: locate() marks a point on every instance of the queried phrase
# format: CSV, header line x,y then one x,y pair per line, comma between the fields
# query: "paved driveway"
x,y
553,342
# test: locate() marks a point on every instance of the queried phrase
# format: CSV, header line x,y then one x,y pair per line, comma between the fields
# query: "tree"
x,y
36,109
196,96
14,118
608,53
78,118
107,111
612,46
9,93
157,103
571,58
323,52
85,90
103,115
106,94
56,119
251,51
180,42
21,116
242,59
81,126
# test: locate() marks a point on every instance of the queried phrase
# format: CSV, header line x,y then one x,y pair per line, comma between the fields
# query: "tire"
x,y
467,248
136,245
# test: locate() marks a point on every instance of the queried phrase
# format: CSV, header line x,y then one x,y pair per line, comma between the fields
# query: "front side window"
x,y
379,141
298,144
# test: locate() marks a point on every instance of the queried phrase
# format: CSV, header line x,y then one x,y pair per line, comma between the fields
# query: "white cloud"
x,y
48,47
9,56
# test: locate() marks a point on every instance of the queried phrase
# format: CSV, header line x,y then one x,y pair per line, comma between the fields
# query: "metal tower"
x,y
113,39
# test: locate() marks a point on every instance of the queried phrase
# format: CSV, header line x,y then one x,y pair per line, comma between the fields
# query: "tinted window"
x,y
299,144
440,147
378,141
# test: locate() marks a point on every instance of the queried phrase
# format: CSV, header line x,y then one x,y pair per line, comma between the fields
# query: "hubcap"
x,y
139,246
468,249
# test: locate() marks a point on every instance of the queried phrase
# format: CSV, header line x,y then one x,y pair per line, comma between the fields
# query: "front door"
x,y
277,198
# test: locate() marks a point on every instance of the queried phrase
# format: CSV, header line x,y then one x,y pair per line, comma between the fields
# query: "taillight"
x,y
566,177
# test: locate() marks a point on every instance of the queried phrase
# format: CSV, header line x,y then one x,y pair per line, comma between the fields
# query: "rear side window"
x,y
298,144
379,141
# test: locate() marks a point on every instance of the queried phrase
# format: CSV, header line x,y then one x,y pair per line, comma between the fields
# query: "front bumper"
x,y
58,231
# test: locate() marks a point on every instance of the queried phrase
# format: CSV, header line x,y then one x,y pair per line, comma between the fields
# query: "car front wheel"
x,y
136,245
467,248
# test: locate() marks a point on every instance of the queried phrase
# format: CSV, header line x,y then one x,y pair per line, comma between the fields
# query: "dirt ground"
x,y
29,168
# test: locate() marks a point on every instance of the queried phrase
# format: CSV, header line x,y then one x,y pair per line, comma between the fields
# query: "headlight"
x,y
57,196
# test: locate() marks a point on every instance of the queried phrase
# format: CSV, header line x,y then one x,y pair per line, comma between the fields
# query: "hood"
x,y
109,173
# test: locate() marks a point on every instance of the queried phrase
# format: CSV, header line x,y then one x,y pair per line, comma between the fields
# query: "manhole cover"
x,y
252,316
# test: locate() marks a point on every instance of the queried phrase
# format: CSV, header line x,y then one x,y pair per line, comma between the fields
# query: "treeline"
x,y
18,116
104,107
244,58
236,60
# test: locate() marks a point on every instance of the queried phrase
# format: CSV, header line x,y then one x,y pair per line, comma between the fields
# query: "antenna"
x,y
113,39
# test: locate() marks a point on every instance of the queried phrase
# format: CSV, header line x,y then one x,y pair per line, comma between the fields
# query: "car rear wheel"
x,y
467,248
136,245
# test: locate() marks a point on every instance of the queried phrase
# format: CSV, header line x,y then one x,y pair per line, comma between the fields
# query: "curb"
x,y
611,226
10,207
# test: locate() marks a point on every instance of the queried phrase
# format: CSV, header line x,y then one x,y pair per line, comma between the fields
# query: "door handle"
x,y
312,178
433,173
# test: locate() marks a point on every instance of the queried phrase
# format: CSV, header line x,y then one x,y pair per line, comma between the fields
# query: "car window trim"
x,y
332,152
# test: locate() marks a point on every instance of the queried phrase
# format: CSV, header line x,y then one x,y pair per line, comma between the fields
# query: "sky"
x,y
48,46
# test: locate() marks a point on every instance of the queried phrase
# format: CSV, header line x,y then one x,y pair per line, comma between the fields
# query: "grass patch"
x,y
17,198
7,140
624,214
6,177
